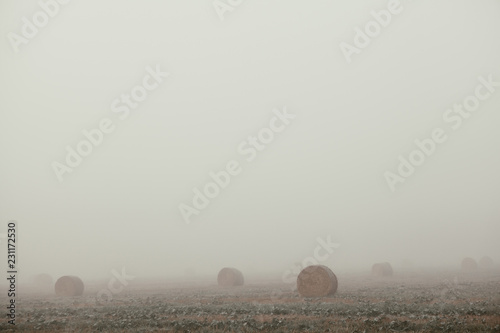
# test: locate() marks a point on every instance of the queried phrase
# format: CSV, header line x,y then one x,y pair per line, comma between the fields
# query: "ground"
x,y
406,302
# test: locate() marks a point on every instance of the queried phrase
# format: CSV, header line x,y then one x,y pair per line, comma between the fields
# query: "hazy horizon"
x,y
321,176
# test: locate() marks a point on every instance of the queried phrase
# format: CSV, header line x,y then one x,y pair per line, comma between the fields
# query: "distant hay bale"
x,y
69,286
230,277
382,269
43,281
316,281
469,265
486,262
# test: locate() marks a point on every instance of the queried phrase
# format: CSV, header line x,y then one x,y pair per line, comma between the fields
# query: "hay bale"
x,y
69,286
486,262
469,265
316,281
230,277
382,269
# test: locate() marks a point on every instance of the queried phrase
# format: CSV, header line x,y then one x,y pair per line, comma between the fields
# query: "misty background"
x,y
322,176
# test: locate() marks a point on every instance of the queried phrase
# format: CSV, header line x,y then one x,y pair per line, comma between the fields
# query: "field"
x,y
411,302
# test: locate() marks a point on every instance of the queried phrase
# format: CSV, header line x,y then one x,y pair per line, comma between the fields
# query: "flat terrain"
x,y
423,302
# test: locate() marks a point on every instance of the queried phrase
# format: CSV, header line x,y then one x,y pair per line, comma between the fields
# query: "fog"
x,y
323,174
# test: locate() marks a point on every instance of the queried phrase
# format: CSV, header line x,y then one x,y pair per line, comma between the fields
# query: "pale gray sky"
x,y
322,175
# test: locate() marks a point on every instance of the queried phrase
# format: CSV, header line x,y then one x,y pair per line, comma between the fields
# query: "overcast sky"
x,y
231,70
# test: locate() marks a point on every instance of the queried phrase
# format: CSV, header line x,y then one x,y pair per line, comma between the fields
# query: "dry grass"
x,y
427,303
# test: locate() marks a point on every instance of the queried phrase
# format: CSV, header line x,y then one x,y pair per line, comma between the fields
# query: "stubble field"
x,y
423,302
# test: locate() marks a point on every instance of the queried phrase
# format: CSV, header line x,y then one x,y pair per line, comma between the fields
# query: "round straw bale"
x,y
69,286
382,269
486,262
230,277
469,265
316,281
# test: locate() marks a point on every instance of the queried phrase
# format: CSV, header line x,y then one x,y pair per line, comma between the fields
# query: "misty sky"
x,y
323,175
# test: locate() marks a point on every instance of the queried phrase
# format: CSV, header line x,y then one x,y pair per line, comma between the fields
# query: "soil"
x,y
405,302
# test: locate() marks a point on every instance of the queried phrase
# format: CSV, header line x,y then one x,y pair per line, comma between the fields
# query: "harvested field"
x,y
437,302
